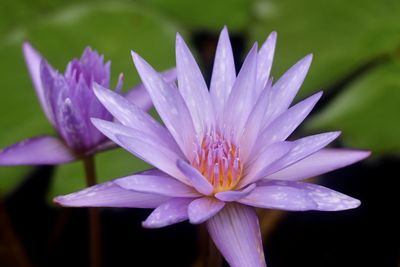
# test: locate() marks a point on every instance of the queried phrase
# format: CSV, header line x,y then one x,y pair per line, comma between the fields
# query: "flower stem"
x,y
94,216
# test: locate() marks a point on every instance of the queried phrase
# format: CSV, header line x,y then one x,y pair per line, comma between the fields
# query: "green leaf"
x,y
113,29
342,35
367,112
207,14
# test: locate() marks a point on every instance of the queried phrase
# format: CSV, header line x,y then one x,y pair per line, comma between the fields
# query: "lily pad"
x,y
367,111
342,35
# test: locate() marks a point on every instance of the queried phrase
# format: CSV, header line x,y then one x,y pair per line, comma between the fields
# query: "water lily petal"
x,y
296,196
193,88
286,88
223,75
134,117
321,162
139,96
202,209
43,150
149,148
146,148
253,126
198,181
170,212
287,122
264,61
157,182
234,195
169,104
256,169
109,194
302,148
242,96
236,232
33,60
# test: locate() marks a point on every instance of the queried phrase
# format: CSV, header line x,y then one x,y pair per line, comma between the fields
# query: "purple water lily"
x,y
222,152
68,102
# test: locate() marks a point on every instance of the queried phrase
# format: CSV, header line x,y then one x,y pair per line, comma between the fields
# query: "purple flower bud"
x,y
72,102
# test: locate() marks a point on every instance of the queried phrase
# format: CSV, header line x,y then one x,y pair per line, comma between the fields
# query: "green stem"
x,y
94,216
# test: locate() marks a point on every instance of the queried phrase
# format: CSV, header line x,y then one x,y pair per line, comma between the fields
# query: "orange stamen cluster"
x,y
218,160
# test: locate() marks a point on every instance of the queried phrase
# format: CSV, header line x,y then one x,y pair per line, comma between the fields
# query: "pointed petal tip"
x,y
135,56
308,58
147,225
254,48
58,200
179,38
27,46
224,31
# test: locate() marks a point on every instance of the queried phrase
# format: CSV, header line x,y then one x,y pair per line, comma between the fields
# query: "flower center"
x,y
219,161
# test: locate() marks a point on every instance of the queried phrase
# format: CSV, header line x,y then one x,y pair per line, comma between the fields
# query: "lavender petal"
x,y
321,162
302,148
236,233
139,96
156,182
223,75
193,88
43,150
134,117
169,104
33,60
284,125
235,195
170,212
202,209
109,194
264,61
198,181
242,97
296,196
286,88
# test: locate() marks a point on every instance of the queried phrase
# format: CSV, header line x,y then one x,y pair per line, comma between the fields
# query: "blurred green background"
x,y
356,47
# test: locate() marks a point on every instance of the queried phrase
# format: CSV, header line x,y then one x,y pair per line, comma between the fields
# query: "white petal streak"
x,y
193,88
236,232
